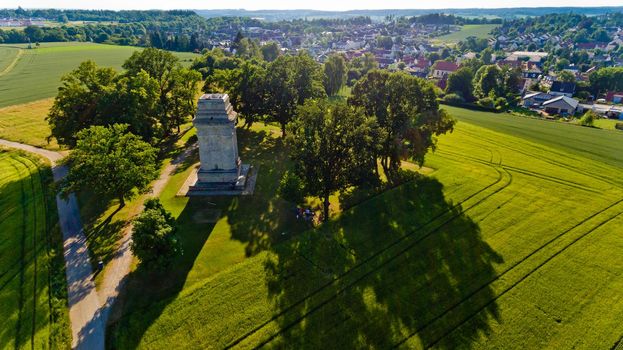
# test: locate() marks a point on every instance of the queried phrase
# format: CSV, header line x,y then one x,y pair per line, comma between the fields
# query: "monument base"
x,y
202,183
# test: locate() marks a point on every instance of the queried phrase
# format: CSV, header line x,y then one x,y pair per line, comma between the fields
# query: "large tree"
x,y
326,145
407,113
488,80
177,86
110,161
80,98
246,88
334,74
290,81
460,82
270,51
154,97
153,236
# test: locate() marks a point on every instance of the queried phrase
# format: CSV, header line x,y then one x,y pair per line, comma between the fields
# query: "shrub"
x,y
501,104
486,102
291,188
453,99
588,119
584,95
153,237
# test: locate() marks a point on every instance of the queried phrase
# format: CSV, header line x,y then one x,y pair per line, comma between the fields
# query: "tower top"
x,y
214,108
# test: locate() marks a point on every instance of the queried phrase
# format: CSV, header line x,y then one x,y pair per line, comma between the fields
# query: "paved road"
x,y
87,327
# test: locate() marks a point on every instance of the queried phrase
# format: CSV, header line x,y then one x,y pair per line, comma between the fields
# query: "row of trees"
x,y
389,117
153,97
271,90
606,79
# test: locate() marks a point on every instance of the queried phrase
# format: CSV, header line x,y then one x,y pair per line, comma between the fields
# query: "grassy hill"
x,y
510,243
35,74
477,30
32,278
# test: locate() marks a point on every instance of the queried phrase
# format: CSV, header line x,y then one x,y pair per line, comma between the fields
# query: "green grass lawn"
x,y
608,124
33,304
509,243
477,30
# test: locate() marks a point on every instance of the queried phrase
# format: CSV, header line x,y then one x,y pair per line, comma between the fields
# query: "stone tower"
x,y
221,169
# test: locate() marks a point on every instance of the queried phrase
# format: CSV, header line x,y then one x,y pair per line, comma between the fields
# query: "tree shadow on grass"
x,y
405,268
257,220
263,219
161,285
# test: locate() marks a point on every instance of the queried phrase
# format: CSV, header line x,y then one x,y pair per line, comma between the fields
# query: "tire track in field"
x,y
365,261
20,298
549,160
506,290
13,63
34,246
471,294
370,258
526,172
35,249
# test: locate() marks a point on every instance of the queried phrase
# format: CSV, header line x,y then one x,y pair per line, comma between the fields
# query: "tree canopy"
x,y
407,113
110,161
154,96
334,74
153,236
328,145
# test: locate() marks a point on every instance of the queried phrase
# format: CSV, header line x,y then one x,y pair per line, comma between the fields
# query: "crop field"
x,y
33,305
477,30
509,243
592,143
37,72
26,123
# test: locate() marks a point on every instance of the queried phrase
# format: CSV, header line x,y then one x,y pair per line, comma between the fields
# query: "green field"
x,y
593,143
509,243
33,305
477,30
38,71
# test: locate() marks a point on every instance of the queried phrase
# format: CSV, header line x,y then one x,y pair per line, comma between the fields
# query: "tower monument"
x,y
221,171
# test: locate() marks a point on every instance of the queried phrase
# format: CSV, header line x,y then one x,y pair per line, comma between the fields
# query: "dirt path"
x,y
87,328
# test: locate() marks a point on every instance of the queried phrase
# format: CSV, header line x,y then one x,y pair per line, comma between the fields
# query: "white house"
x,y
561,105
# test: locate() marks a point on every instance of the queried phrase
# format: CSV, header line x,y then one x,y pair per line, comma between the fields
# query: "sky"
x,y
332,5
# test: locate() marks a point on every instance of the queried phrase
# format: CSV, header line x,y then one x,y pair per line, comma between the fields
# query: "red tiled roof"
x,y
446,66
